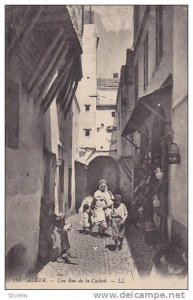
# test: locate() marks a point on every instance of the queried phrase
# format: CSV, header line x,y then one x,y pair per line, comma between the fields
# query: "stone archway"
x,y
103,167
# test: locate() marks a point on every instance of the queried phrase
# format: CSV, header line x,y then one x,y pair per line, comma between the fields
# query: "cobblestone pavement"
x,y
97,266
94,262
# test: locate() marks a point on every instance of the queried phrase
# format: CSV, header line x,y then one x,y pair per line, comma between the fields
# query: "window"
x,y
136,83
113,114
87,107
115,75
159,33
98,128
145,68
87,132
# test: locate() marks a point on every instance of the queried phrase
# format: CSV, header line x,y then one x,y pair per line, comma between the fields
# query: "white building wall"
x,y
86,93
104,139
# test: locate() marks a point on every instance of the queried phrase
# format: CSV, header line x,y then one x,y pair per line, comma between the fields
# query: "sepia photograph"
x,y
96,147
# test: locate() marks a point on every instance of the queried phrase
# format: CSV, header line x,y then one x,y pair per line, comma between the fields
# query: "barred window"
x,y
87,132
87,107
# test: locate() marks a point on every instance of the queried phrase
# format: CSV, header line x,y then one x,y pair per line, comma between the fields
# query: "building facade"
x,y
43,68
106,120
97,119
152,128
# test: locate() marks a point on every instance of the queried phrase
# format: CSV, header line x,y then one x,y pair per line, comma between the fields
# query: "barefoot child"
x,y
118,221
86,220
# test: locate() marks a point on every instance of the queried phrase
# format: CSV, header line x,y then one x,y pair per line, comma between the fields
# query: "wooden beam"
x,y
131,142
75,76
26,30
44,90
33,22
34,44
71,98
38,80
67,96
55,88
66,87
44,58
21,27
69,91
50,68
93,151
25,60
18,29
59,17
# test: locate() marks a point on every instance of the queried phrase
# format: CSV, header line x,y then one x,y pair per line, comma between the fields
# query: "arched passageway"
x,y
103,167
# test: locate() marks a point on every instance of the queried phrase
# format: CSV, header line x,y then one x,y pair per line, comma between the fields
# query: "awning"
x,y
153,103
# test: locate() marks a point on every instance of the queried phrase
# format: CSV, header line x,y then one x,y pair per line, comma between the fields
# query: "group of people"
x,y
106,211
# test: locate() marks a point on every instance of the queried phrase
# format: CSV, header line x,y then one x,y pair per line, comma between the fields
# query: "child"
x,y
60,239
118,221
86,220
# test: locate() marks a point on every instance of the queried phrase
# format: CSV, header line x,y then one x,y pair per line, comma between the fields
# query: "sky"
x,y
115,30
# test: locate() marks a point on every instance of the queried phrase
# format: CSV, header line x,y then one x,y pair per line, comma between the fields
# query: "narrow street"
x,y
96,116
93,261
